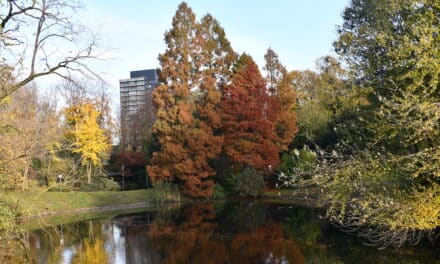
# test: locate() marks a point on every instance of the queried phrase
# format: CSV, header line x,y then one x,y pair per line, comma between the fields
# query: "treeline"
x,y
374,151
41,145
221,122
362,130
40,139
216,113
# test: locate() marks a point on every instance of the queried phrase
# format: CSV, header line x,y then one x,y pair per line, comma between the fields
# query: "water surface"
x,y
234,232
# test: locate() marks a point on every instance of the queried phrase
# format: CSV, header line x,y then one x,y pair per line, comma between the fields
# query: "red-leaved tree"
x,y
248,127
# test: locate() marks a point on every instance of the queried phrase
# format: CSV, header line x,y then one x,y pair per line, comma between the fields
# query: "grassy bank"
x,y
37,202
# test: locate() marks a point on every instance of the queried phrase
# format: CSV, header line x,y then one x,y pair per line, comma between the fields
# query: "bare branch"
x,y
52,28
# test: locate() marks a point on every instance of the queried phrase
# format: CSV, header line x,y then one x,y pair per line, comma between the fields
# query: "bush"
x,y
218,193
248,183
61,188
99,183
109,185
12,249
7,217
165,192
296,165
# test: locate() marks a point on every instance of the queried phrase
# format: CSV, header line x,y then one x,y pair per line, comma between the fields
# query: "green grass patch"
x,y
45,222
34,203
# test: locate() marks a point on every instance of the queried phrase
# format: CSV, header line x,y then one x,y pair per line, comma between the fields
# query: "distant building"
x,y
137,110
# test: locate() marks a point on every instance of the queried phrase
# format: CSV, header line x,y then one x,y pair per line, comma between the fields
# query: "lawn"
x,y
37,202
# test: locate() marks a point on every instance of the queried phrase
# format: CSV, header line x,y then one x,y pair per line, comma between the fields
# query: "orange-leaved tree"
x,y
279,85
197,57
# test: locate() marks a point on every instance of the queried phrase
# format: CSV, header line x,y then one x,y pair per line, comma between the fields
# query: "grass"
x,y
37,202
40,223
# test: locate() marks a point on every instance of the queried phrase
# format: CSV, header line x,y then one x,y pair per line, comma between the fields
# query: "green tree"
x,y
324,97
392,46
396,54
392,183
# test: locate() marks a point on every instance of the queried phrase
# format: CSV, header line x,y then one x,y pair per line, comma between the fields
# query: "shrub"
x,y
248,183
296,165
218,193
98,183
165,192
12,248
7,217
108,184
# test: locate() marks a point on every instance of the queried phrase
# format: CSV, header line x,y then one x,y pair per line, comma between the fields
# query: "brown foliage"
x,y
197,61
283,100
187,141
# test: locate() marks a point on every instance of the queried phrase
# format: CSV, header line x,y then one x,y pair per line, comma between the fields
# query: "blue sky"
x,y
300,31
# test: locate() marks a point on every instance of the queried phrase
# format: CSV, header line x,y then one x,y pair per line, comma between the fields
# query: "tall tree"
x,y
216,61
247,120
396,54
186,103
392,48
275,71
283,99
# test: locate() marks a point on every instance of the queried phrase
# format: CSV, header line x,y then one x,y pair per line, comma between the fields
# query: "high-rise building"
x,y
137,110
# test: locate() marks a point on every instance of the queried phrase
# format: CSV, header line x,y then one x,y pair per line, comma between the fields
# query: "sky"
x,y
132,32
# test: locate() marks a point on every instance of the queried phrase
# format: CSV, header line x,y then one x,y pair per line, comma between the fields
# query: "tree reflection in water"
x,y
193,238
236,232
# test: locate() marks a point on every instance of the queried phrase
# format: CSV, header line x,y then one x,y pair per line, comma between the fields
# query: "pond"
x,y
233,232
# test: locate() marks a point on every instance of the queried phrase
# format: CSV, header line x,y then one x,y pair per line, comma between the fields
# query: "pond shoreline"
x,y
145,203
34,204
88,210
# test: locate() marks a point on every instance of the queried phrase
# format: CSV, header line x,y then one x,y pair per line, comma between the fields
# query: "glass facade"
x,y
137,111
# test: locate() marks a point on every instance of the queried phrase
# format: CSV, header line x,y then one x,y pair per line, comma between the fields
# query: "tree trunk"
x,y
89,172
48,171
25,178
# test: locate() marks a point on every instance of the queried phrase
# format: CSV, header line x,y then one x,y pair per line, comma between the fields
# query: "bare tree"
x,y
40,38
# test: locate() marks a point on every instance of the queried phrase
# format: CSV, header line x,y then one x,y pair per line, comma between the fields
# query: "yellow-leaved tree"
x,y
88,138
